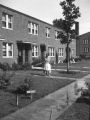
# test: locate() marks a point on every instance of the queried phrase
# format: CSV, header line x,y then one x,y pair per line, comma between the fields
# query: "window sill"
x,y
7,28
7,57
33,34
51,56
48,37
56,39
34,56
60,56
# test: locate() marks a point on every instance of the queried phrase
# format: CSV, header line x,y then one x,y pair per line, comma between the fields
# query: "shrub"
x,y
25,66
5,66
4,81
16,66
65,60
82,56
27,85
77,59
37,62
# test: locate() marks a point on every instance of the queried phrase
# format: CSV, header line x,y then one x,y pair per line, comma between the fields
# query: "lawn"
x,y
80,110
43,86
77,70
62,73
81,65
71,74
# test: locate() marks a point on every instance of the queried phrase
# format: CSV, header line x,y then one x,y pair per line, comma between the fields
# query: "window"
x,y
32,28
86,49
47,32
7,21
7,50
51,51
4,20
35,51
72,51
4,49
29,27
56,35
36,29
60,52
85,41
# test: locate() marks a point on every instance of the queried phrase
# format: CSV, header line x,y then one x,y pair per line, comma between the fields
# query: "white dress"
x,y
47,67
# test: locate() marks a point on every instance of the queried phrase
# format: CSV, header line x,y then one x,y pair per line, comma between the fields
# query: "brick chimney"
x,y
77,28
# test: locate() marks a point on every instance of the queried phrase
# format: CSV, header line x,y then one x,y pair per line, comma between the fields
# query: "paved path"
x,y
41,68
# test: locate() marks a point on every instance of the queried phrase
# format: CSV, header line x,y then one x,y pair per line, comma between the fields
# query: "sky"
x,y
48,10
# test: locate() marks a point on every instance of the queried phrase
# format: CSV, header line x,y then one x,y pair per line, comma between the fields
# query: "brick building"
x,y
83,45
24,38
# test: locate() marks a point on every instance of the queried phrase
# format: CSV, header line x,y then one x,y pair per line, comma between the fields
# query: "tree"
x,y
70,14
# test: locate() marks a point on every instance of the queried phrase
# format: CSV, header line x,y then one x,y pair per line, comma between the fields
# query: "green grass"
x,y
70,74
80,110
42,85
78,65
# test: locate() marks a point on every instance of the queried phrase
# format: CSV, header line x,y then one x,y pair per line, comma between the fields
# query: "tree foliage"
x,y
70,14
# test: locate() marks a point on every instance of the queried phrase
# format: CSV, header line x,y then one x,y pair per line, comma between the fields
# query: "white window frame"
x,y
7,50
85,41
51,51
47,32
32,28
56,34
60,52
7,21
86,49
35,29
35,51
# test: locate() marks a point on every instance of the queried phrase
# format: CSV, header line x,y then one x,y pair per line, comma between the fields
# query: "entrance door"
x,y
23,53
26,55
43,49
20,56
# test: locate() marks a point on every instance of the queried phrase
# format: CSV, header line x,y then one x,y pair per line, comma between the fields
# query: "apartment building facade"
x,y
83,45
24,38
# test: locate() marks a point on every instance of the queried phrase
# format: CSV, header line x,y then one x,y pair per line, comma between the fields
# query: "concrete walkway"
x,y
49,107
41,68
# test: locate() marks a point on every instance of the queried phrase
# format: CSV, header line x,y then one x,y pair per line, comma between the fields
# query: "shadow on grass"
x,y
69,72
83,100
37,72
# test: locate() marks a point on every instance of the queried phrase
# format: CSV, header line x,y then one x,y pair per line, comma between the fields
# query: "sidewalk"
x,y
41,68
47,108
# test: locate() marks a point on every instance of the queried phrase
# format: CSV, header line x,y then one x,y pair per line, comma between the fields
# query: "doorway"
x,y
24,53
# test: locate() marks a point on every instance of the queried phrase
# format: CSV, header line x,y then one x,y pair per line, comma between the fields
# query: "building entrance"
x,y
24,53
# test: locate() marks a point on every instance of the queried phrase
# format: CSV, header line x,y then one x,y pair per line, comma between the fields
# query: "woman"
x,y
47,66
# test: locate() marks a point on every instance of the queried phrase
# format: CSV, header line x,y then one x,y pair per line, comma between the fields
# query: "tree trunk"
x,y
67,57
